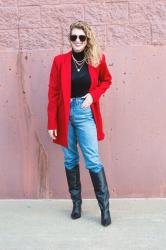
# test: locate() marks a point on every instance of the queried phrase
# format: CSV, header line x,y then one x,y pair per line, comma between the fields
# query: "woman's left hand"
x,y
88,100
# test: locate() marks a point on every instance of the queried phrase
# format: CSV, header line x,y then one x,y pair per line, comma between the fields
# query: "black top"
x,y
80,81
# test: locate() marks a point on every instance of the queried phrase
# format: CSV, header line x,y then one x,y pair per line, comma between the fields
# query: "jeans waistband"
x,y
77,99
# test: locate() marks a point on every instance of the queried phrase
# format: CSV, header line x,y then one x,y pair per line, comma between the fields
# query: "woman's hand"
x,y
88,100
53,133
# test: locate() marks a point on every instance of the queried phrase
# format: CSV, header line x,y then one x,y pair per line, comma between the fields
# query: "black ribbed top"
x,y
80,81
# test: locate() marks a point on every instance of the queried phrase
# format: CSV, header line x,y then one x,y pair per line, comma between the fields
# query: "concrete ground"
x,y
137,224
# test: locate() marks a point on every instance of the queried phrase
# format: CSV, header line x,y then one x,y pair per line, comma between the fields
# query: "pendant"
x,y
78,69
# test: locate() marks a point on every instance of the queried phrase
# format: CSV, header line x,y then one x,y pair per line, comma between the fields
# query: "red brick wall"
x,y
43,24
133,35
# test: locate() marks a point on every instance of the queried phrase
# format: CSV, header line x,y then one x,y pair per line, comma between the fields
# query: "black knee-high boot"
x,y
102,194
74,185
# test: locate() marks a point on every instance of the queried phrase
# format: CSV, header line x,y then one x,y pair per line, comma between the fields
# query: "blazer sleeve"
x,y
53,96
105,80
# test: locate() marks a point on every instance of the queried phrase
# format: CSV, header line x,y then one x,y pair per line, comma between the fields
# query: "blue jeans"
x,y
82,130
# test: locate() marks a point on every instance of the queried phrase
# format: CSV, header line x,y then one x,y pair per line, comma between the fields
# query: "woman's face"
x,y
78,45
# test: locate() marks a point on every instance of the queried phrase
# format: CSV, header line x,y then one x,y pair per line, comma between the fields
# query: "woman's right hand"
x,y
52,133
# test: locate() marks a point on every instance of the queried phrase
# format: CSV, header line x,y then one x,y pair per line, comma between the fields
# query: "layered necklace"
x,y
78,63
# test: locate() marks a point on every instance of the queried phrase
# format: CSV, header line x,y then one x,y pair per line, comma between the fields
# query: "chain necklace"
x,y
79,64
78,61
78,69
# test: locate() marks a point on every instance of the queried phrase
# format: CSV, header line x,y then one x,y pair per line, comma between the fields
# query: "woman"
x,y
77,80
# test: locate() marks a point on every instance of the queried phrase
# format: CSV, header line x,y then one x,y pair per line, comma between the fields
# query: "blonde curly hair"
x,y
93,52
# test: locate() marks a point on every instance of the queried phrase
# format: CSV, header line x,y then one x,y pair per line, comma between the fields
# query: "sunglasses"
x,y
74,37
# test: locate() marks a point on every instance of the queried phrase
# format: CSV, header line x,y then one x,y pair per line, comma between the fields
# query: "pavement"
x,y
45,224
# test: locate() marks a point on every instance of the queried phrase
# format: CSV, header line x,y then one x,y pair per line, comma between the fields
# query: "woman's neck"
x,y
78,55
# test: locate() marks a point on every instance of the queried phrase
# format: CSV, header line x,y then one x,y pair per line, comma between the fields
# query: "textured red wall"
x,y
132,34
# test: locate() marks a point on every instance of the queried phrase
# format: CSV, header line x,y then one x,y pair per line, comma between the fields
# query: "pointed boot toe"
x,y
76,212
106,219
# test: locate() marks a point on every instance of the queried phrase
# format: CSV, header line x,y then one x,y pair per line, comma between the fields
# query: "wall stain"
x,y
42,169
36,165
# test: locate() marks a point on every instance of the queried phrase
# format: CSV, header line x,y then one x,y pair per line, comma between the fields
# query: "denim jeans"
x,y
82,130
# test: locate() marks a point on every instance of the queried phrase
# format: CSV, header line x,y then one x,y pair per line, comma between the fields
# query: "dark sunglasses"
x,y
74,37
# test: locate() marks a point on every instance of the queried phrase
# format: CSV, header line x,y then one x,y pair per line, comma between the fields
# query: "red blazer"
x,y
59,95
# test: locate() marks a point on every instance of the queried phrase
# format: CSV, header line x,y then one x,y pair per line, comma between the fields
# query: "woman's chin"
x,y
78,49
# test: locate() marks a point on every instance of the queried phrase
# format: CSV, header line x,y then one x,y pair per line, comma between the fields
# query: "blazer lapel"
x,y
92,71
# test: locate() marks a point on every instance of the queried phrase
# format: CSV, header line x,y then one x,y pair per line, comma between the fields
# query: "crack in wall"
x,y
28,131
29,135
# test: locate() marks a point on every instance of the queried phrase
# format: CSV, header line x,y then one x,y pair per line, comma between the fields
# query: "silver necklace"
x,y
79,64
78,69
78,61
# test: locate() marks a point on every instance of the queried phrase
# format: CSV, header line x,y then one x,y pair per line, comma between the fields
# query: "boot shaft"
x,y
101,188
74,183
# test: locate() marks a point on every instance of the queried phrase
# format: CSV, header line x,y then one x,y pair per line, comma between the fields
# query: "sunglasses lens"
x,y
74,37
82,38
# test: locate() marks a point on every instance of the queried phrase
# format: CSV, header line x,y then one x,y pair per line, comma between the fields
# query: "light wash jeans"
x,y
82,130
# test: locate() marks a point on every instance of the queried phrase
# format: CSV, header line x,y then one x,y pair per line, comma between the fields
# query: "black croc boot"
x,y
102,194
74,185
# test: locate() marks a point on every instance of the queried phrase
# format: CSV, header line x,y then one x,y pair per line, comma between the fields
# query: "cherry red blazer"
x,y
59,95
